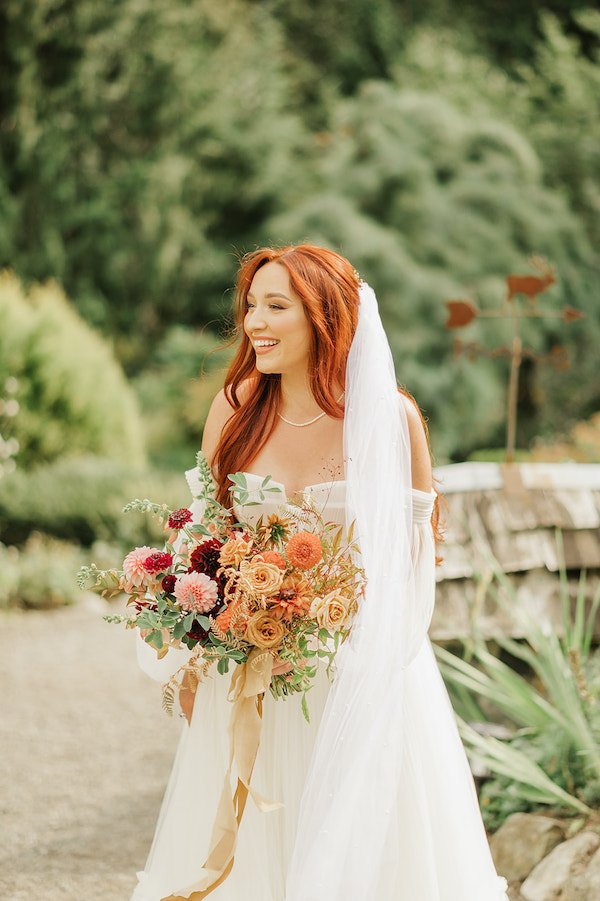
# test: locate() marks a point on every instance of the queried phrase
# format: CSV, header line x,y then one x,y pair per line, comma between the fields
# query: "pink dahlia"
x,y
133,565
196,591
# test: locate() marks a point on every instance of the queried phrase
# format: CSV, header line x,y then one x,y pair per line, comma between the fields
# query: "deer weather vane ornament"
x,y
463,312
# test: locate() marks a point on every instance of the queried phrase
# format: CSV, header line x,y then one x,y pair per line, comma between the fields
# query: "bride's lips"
x,y
265,349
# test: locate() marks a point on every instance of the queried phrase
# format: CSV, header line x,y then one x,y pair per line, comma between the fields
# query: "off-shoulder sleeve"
x,y
162,670
423,555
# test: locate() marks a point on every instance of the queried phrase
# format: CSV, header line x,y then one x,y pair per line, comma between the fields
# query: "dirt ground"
x,y
86,751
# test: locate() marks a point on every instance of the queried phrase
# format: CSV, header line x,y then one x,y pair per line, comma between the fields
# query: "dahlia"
x,y
158,563
168,584
294,598
304,550
196,591
135,572
271,557
179,518
205,557
229,616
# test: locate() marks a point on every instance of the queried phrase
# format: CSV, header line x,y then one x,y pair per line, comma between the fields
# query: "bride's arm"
x,y
420,462
423,554
422,536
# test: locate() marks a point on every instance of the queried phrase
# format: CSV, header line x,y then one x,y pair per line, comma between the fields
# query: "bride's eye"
x,y
273,306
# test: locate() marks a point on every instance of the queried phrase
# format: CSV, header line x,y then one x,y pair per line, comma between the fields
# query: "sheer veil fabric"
x,y
357,759
358,769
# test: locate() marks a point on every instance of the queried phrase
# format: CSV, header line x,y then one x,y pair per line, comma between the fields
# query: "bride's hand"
x,y
281,666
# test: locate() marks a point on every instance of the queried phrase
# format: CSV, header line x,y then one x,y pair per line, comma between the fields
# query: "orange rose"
x,y
264,631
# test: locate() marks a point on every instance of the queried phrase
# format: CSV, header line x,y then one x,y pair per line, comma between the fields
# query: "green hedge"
x,y
82,501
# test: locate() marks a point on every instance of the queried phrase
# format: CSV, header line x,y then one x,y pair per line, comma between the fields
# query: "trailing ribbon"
x,y
249,682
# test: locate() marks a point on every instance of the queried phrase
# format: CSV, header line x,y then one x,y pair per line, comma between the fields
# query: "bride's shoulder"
x,y
422,474
221,410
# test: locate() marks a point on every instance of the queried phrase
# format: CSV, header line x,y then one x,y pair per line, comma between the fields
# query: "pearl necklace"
x,y
310,421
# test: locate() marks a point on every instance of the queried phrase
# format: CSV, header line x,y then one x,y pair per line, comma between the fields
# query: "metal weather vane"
x,y
462,313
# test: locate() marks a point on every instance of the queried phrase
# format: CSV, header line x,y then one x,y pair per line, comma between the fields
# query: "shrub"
x,y
73,396
175,392
82,500
39,575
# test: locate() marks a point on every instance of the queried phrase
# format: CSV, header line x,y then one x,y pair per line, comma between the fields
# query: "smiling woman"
x,y
375,787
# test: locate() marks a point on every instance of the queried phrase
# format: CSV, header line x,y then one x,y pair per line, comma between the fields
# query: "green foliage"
x,y
432,203
147,143
554,103
82,500
175,392
153,137
553,756
40,574
73,397
345,42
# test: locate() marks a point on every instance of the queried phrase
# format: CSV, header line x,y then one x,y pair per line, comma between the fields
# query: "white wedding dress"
x,y
437,848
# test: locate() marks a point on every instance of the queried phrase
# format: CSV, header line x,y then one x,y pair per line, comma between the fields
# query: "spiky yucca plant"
x,y
553,756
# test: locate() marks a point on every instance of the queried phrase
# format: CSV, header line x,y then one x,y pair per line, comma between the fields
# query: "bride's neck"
x,y
297,397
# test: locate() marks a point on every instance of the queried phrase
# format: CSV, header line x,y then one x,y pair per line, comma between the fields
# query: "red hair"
x,y
327,284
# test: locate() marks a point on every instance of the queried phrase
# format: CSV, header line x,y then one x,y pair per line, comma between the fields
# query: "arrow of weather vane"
x,y
462,313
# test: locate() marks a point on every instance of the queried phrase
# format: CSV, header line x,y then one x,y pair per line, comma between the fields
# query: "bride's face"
x,y
273,311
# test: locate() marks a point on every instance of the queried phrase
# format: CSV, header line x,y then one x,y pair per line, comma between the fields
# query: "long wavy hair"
x,y
327,284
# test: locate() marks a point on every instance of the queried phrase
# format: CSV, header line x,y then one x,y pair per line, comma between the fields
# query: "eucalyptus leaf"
x,y
155,639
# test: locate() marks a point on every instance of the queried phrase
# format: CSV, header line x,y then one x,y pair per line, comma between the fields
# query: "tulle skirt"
x,y
437,849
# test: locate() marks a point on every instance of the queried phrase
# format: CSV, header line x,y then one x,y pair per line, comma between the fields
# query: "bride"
x,y
377,799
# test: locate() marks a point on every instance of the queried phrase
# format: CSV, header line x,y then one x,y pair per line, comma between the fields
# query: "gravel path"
x,y
86,751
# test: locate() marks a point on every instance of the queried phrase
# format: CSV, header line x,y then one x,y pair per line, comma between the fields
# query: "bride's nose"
x,y
254,321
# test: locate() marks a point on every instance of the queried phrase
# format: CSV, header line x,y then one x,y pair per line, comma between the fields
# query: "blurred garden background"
x,y
146,144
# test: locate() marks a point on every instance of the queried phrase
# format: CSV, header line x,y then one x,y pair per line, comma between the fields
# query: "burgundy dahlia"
x,y
205,557
198,632
179,518
168,584
158,563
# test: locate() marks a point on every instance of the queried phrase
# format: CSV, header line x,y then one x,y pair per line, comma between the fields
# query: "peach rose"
x,y
331,611
260,577
264,631
235,550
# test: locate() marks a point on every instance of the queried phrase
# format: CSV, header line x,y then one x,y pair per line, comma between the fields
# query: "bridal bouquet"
x,y
280,592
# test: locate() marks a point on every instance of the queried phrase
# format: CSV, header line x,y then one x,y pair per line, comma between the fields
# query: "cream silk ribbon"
x,y
249,682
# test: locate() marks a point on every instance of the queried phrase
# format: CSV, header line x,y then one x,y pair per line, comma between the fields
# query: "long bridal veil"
x,y
357,760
